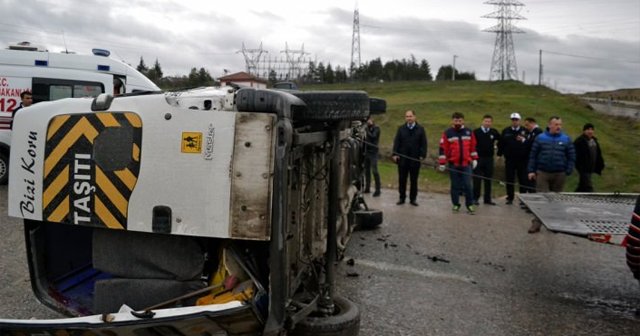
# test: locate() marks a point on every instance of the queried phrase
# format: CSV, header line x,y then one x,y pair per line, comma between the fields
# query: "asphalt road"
x,y
16,297
427,271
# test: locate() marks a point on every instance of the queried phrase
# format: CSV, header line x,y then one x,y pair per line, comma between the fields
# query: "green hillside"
x,y
434,103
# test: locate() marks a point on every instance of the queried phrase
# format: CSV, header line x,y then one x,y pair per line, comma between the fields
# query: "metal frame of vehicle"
x,y
276,176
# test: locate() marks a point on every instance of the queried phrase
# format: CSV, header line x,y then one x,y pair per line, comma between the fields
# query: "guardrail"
x,y
614,107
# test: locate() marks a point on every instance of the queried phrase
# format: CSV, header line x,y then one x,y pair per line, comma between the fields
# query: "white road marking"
x,y
383,266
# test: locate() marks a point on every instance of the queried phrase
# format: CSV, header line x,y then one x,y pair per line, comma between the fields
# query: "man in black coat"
x,y
371,157
588,158
26,98
409,149
486,139
513,145
533,130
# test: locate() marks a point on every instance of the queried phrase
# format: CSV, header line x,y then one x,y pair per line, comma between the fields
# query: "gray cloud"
x,y
183,37
267,16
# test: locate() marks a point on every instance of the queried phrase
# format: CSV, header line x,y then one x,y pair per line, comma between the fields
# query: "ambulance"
x,y
51,76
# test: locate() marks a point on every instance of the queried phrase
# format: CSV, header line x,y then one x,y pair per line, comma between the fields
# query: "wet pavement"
x,y
428,271
16,298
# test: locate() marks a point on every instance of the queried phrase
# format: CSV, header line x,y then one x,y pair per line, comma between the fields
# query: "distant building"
x,y
244,79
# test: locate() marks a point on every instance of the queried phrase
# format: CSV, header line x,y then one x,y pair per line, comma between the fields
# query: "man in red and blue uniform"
x,y
458,151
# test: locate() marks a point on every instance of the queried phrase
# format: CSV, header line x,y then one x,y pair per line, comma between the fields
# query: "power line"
x,y
447,168
597,27
581,2
590,57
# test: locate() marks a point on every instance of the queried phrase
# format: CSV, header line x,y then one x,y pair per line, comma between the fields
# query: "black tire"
x,y
368,219
308,105
4,168
332,105
345,322
377,106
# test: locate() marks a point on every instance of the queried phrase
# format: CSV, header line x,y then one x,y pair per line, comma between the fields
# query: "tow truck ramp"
x,y
602,217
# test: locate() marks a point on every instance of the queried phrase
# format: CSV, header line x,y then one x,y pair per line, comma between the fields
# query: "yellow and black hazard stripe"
x,y
91,167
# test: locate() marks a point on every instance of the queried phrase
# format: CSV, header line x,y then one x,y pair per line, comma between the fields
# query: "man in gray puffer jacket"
x,y
552,158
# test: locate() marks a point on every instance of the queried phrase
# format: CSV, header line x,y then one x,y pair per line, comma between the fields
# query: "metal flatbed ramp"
x,y
598,216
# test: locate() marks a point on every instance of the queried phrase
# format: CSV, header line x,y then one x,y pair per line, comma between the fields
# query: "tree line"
x,y
196,78
374,70
394,70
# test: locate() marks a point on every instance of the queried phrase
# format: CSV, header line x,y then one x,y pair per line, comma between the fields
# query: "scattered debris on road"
x,y
438,259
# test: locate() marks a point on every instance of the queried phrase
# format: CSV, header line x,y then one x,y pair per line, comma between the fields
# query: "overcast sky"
x,y
587,45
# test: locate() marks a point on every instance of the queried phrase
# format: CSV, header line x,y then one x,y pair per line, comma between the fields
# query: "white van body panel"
x,y
220,189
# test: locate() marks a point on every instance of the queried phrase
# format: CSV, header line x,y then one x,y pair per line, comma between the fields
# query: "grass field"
x,y
434,103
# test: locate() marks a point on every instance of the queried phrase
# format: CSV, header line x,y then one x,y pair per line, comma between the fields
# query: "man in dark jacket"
x,y
409,149
513,145
486,139
533,130
588,158
371,158
26,100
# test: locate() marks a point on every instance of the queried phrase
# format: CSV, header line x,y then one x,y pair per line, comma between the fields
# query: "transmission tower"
x,y
355,43
294,58
252,58
503,63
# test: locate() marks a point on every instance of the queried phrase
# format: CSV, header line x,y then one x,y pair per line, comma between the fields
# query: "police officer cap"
x,y
515,115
